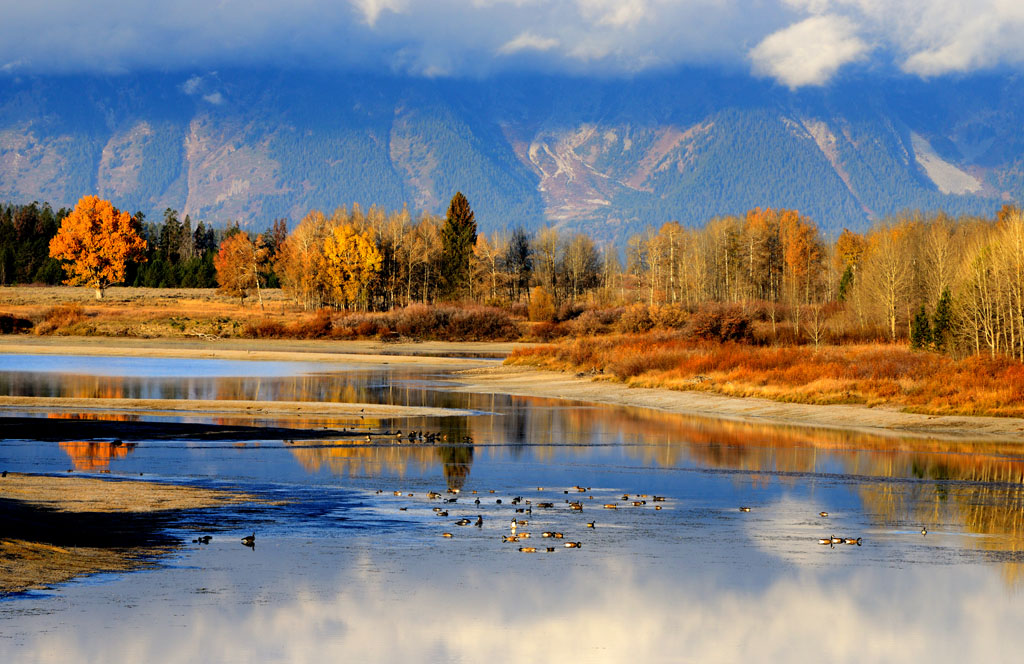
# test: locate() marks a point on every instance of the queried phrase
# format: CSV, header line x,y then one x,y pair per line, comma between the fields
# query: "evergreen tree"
x,y
920,330
458,235
942,321
518,262
845,283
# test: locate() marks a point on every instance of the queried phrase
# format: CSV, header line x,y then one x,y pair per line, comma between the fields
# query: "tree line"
x,y
949,284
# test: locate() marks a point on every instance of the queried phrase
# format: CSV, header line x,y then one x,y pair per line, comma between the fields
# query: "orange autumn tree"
x,y
97,240
239,265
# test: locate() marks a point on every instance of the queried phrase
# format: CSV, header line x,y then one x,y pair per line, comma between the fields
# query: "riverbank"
x,y
58,528
878,420
484,375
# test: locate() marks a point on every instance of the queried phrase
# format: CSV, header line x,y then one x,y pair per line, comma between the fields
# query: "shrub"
x,y
542,307
60,316
264,329
13,324
548,331
720,323
670,316
635,318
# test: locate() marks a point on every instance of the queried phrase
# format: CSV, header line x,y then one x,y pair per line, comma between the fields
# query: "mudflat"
x,y
57,528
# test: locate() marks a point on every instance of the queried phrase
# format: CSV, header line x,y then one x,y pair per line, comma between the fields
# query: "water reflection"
x,y
89,455
442,605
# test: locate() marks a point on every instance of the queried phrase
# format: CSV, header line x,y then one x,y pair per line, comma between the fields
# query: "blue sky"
x,y
797,43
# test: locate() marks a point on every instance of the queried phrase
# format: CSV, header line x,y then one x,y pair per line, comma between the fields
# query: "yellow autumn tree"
x,y
96,241
353,262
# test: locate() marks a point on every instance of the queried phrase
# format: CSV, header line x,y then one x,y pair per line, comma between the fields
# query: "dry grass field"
x,y
867,374
140,312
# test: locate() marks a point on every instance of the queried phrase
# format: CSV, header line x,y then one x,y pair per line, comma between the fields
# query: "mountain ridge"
x,y
602,157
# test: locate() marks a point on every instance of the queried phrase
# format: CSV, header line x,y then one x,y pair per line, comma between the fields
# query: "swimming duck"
x,y
625,496
611,506
744,509
639,503
657,507
545,534
924,530
448,535
443,513
659,499
825,540
573,545
850,540
509,538
557,535
822,514
433,495
550,549
578,507
403,509
837,540
546,505
591,524
528,549
513,526
462,522
249,540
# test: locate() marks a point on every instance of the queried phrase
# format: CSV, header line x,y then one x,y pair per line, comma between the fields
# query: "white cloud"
x,y
191,86
809,52
798,42
372,9
215,98
527,41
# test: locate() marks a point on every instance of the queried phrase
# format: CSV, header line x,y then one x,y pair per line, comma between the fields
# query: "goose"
x,y
825,540
659,499
924,530
837,540
509,538
545,534
528,549
591,524
557,535
657,507
850,540
573,545
611,506
550,549
249,540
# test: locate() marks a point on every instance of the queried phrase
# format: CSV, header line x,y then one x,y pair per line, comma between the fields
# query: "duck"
x,y
557,535
550,549
545,534
924,530
659,499
528,549
837,540
823,514
850,540
514,525
573,545
476,502
249,540
479,521
509,538
447,535
744,509
639,503
825,540
591,524
611,506
657,507
443,513
462,522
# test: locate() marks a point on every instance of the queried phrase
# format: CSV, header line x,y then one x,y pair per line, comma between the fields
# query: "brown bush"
x,y
548,331
670,316
635,318
720,323
13,324
265,329
542,306
60,316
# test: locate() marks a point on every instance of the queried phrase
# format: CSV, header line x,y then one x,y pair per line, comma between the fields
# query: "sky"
x,y
797,43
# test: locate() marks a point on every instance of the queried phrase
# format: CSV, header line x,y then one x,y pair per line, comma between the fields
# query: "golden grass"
x,y
873,375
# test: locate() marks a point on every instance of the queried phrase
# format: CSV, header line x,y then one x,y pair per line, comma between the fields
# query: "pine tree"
x,y
942,321
845,283
458,236
920,330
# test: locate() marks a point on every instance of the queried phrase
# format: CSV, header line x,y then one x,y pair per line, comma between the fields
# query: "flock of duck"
x,y
523,513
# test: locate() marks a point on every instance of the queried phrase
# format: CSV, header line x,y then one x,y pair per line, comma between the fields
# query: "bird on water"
x,y
250,540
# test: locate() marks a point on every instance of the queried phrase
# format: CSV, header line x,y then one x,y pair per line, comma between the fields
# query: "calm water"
x,y
342,572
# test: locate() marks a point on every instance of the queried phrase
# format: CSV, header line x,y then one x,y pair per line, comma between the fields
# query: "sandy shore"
x,y
424,354
58,528
222,406
525,381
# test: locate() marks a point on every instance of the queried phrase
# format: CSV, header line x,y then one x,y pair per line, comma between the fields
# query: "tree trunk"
x,y
99,293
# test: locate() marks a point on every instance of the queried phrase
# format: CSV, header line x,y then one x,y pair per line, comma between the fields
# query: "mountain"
x,y
603,156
